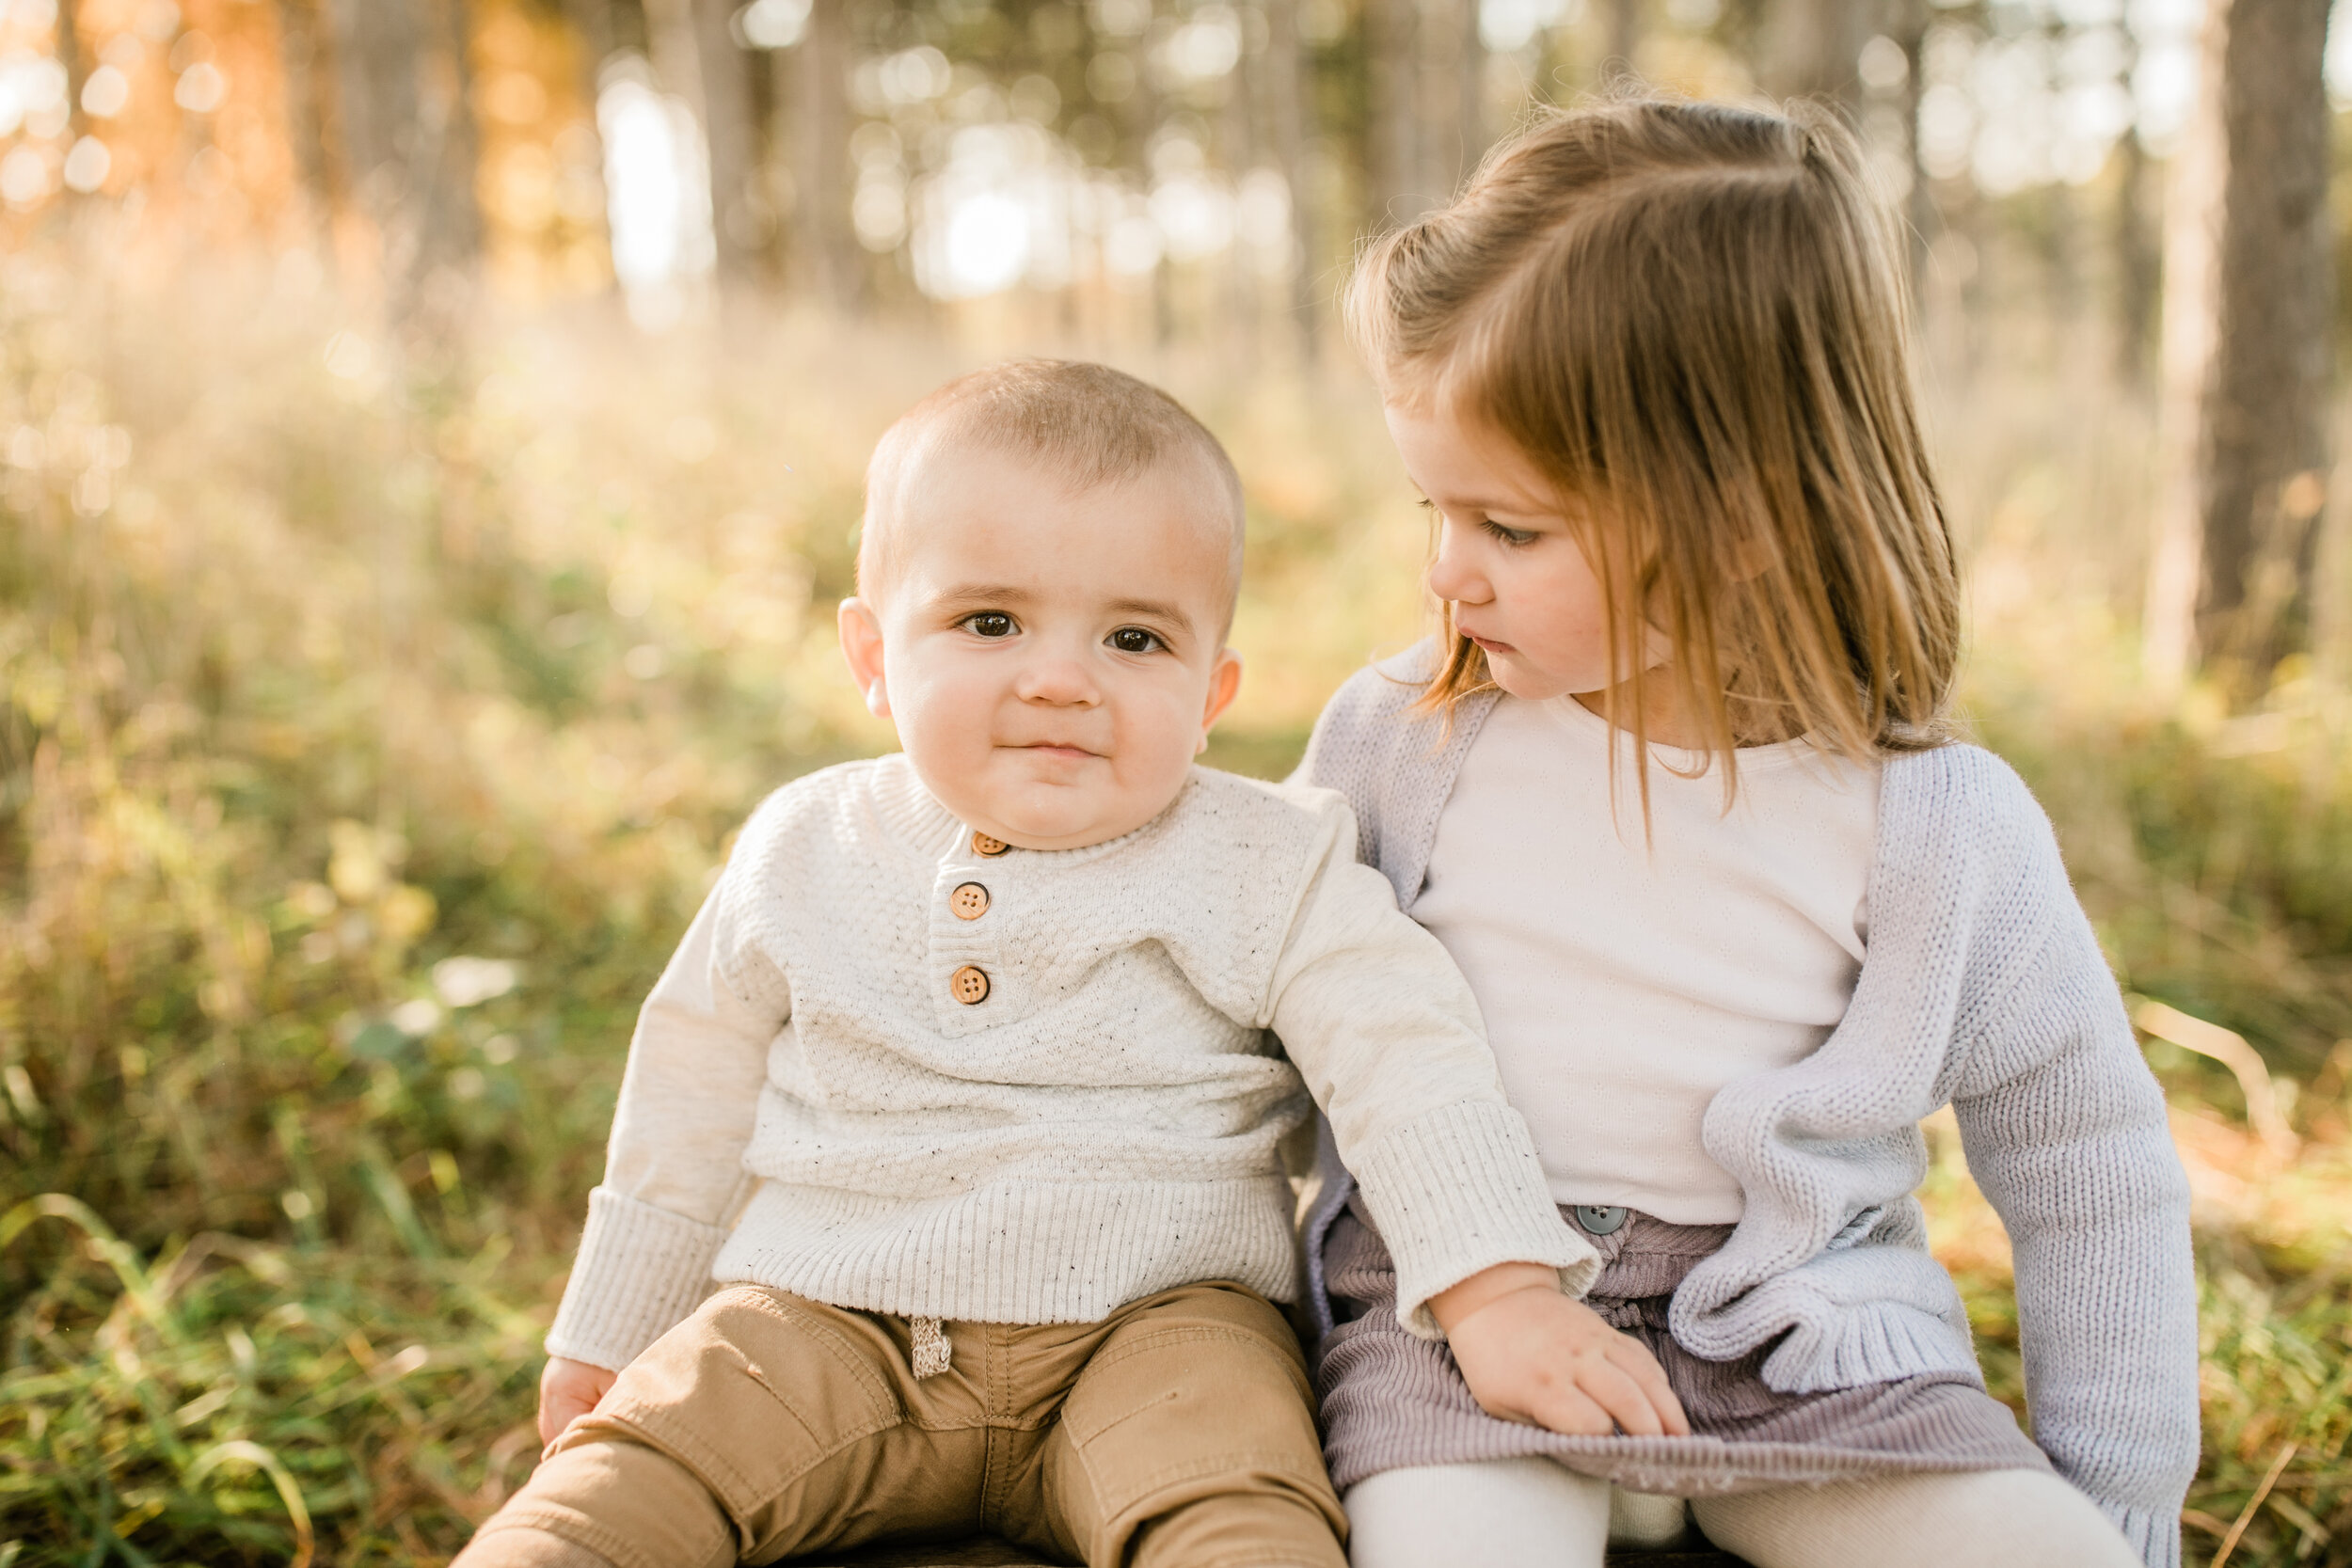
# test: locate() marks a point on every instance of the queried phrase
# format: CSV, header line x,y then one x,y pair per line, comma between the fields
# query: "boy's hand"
x,y
567,1391
1532,1354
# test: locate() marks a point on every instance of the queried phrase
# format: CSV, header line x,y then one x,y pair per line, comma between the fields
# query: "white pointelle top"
x,y
1624,983
891,1070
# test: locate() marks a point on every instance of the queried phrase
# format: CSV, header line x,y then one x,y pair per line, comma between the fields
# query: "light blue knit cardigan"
x,y
1984,986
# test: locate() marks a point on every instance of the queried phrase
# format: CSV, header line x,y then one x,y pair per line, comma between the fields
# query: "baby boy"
x,y
961,1086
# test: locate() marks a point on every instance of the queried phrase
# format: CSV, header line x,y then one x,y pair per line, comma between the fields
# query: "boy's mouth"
x,y
1057,749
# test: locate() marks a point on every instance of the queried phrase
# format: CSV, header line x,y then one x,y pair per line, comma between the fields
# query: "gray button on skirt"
x,y
1392,1401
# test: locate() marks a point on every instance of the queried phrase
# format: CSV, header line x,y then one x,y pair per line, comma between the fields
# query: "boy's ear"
x,y
862,645
1224,683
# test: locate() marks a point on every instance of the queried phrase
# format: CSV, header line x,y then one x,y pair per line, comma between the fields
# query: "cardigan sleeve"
x,y
2066,1133
673,1173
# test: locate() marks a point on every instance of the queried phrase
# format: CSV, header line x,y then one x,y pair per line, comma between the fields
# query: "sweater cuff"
x,y
1459,1190
640,1272
2156,1536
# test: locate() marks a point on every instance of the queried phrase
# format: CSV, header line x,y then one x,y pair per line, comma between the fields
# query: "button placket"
x,y
972,984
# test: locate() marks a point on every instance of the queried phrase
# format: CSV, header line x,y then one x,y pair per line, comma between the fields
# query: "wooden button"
x,y
970,984
970,901
983,845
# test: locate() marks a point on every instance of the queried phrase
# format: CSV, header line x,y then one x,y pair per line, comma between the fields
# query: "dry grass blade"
x,y
240,1450
2228,1048
138,1289
2237,1531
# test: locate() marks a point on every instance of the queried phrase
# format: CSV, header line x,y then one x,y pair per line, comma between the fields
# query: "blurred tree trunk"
x,y
1468,98
599,29
1921,218
1291,106
403,78
1394,156
1810,48
1625,36
1241,147
450,214
1143,127
376,45
310,99
2135,265
2247,350
77,63
820,87
591,20
741,217
2131,244
694,55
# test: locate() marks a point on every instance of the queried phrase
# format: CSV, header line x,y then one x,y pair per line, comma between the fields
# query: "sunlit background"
x,y
1162,167
431,434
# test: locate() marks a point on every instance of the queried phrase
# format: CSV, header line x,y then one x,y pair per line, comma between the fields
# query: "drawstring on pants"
x,y
931,1350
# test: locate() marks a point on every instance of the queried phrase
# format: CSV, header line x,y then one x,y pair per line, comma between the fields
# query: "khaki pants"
x,y
1179,1431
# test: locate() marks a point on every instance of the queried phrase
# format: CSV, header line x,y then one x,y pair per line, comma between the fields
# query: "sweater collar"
x,y
909,813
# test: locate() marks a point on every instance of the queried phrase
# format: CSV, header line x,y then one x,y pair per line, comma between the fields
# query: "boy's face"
x,y
1053,658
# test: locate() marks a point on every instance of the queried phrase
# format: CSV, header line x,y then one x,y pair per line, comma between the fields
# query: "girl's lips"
x,y
1490,644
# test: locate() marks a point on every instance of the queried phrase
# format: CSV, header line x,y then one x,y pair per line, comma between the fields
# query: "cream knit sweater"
x,y
812,1104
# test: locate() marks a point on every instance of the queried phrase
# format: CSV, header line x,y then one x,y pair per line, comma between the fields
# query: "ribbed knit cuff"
x,y
2156,1536
641,1270
1456,1190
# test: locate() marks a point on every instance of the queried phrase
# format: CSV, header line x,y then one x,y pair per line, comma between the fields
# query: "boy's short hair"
x,y
1103,425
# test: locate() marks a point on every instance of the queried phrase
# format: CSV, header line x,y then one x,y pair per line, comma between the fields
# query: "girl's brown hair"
x,y
1691,318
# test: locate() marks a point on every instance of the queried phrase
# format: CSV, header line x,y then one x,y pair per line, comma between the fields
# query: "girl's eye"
x,y
1511,537
1135,640
988,622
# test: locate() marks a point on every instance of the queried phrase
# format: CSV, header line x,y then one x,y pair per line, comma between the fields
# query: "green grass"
x,y
309,685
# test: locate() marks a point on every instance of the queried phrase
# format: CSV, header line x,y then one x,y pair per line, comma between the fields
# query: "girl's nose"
x,y
1456,573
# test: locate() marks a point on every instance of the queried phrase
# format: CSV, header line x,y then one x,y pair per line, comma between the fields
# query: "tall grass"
x,y
373,707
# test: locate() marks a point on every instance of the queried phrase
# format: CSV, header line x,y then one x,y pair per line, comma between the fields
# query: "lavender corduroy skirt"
x,y
1392,1401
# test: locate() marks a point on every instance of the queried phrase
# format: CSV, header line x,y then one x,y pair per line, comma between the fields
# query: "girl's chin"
x,y
1512,673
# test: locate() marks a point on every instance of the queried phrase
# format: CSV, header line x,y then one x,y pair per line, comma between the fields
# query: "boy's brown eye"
x,y
1134,640
990,622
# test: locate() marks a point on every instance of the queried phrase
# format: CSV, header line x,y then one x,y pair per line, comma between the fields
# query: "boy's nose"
x,y
1060,681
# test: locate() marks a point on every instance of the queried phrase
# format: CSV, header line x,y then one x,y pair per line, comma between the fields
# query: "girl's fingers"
x,y
1639,1364
1631,1404
1626,1401
1570,1409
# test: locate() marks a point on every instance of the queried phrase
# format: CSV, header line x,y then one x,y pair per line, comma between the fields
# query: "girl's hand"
x,y
567,1391
1535,1355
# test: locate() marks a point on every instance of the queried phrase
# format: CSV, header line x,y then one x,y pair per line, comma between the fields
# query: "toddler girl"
x,y
1678,790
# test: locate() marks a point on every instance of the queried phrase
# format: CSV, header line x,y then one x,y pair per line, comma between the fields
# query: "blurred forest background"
x,y
430,444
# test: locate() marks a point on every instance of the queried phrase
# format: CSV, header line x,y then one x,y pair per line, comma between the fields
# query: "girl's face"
x,y
1508,558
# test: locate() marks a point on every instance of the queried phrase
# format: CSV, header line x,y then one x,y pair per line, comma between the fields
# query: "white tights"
x,y
1533,1513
